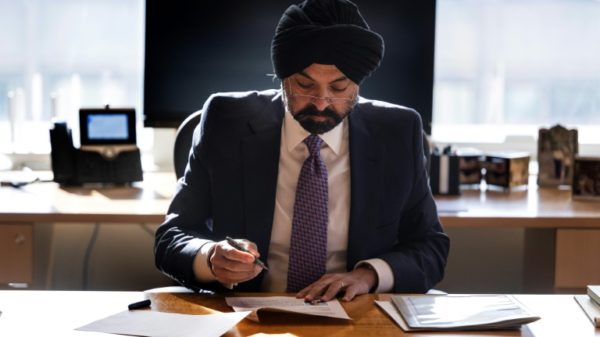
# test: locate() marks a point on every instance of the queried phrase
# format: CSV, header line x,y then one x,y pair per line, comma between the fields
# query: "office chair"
x,y
427,151
183,142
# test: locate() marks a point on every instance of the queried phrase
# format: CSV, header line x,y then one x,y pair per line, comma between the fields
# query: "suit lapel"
x,y
260,170
366,176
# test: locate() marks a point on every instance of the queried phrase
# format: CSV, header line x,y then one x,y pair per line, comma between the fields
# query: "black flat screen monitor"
x,y
197,47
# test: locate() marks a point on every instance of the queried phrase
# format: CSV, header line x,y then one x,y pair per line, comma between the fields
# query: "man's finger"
x,y
251,246
302,293
350,293
231,265
228,276
231,253
317,289
333,289
321,283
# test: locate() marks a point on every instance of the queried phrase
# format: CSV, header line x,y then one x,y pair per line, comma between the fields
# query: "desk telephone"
x,y
108,152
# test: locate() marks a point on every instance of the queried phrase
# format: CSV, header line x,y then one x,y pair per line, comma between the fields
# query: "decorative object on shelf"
x,y
586,178
507,169
444,177
470,166
557,147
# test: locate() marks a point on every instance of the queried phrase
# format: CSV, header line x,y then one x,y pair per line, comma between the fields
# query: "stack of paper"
x,y
590,304
457,312
594,293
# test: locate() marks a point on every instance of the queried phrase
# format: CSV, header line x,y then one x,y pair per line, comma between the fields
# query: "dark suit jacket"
x,y
230,182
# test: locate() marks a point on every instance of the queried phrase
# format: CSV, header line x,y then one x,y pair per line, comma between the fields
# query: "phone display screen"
x,y
107,126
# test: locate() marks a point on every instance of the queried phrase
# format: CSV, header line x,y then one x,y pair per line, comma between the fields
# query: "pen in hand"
x,y
239,247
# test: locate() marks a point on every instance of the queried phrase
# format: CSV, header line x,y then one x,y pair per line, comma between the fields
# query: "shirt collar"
x,y
294,134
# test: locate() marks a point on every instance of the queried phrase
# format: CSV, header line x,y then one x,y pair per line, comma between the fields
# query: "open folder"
x,y
457,312
285,304
590,304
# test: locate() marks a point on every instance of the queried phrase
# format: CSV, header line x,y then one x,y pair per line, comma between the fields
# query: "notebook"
x,y
461,312
593,292
589,305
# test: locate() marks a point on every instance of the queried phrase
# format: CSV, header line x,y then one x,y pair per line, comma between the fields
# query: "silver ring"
x,y
342,283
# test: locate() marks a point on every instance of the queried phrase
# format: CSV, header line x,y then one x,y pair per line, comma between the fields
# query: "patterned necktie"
x,y
308,244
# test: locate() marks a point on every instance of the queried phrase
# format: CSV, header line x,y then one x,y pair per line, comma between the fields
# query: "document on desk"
x,y
456,312
593,292
161,324
286,304
590,307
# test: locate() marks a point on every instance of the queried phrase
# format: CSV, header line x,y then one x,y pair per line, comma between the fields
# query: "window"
x,y
505,68
58,56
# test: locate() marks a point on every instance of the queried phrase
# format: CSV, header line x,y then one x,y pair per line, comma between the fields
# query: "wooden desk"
x,y
40,204
44,313
148,201
145,201
575,225
526,208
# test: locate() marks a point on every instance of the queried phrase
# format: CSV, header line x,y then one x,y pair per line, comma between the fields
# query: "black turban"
x,y
325,32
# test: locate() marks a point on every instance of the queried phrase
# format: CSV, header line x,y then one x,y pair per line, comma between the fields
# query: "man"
x,y
327,187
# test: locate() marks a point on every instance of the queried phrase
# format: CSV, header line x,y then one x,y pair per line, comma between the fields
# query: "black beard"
x,y
305,118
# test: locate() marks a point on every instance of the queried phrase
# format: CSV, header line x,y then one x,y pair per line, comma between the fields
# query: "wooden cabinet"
x,y
16,254
577,258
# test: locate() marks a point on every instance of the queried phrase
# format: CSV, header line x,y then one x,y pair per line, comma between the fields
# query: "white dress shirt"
x,y
335,152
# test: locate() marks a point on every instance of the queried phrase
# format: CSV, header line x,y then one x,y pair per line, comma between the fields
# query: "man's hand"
x,y
231,266
357,282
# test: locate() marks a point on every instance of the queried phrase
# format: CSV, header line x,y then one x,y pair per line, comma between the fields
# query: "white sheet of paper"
x,y
162,324
391,311
331,308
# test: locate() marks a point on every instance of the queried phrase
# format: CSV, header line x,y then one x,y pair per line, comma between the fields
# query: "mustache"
x,y
310,111
306,118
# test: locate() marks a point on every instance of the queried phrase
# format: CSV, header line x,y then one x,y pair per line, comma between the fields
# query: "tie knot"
x,y
313,142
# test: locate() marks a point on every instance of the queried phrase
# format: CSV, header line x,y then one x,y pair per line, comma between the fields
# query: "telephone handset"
x,y
108,152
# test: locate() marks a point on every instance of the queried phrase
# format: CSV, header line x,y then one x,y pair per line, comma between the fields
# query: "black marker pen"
x,y
139,305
